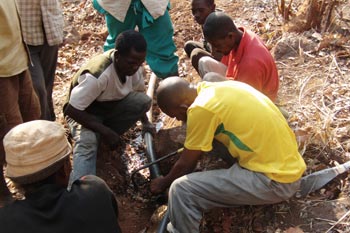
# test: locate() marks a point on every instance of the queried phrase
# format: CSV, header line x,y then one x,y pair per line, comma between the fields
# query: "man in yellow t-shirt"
x,y
254,131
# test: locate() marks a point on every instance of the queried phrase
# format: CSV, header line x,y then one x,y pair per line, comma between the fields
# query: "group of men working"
x,y
233,105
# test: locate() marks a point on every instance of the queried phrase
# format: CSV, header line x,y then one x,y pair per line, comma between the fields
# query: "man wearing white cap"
x,y
37,156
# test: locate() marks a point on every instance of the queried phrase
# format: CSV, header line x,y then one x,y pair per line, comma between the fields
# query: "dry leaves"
x,y
294,230
314,71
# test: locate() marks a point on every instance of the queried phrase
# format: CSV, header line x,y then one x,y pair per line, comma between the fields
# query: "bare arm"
x,y
186,164
90,121
144,120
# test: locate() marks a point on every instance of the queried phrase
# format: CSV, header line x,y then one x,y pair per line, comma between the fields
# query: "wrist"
x,y
107,131
166,182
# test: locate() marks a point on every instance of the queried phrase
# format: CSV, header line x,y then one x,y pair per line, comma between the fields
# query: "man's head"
x,y
174,96
220,31
130,52
201,9
35,150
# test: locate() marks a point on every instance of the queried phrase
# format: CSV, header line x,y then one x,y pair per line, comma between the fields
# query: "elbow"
x,y
71,112
67,110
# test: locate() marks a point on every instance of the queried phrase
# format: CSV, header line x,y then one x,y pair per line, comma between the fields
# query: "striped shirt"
x,y
41,19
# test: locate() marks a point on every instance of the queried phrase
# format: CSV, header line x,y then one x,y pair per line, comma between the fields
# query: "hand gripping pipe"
x,y
153,163
153,167
148,138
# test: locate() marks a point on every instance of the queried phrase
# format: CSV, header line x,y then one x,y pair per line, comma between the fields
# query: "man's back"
x,y
248,124
90,206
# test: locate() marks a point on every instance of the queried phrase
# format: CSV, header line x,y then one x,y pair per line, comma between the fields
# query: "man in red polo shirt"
x,y
245,59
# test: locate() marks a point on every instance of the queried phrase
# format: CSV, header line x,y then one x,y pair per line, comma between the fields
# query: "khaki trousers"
x,y
192,194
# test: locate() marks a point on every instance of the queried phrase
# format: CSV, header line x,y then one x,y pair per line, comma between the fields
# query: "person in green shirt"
x,y
153,21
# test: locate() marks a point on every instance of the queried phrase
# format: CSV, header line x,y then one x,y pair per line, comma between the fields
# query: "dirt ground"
x,y
314,88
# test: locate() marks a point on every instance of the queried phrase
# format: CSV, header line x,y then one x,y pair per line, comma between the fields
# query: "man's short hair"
x,y
210,2
128,40
218,25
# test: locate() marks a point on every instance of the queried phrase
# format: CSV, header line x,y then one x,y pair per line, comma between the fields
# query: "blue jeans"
x,y
119,115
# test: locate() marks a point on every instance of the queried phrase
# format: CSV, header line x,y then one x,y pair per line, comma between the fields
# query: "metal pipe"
x,y
148,138
163,223
154,169
151,163
150,92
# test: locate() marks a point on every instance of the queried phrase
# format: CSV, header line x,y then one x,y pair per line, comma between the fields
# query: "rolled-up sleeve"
x,y
85,92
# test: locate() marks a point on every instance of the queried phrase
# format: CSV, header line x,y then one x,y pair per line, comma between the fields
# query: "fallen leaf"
x,y
294,230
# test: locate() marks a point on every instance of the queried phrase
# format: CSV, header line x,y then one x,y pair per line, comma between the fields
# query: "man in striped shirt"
x,y
42,26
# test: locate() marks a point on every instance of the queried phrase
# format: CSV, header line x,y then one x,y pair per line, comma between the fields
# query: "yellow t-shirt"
x,y
249,125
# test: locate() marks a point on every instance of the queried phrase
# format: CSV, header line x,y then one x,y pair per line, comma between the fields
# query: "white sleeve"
x,y
85,92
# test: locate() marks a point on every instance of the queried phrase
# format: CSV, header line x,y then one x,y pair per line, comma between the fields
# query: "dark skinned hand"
x,y
111,138
148,127
158,185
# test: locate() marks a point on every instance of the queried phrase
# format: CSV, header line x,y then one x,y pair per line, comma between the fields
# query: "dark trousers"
x,y
44,58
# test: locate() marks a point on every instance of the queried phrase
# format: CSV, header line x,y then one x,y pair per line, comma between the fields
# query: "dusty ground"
x,y
315,90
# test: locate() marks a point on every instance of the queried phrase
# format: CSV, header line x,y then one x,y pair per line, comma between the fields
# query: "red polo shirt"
x,y
252,63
